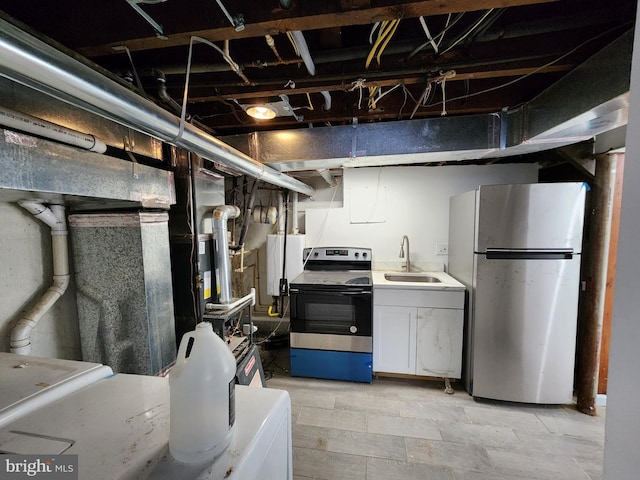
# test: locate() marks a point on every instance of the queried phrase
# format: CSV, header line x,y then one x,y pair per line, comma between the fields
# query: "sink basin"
x,y
411,277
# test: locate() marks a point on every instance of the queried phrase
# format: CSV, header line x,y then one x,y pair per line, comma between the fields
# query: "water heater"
x,y
275,258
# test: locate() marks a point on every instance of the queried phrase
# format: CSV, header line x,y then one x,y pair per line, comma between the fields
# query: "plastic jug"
x,y
202,397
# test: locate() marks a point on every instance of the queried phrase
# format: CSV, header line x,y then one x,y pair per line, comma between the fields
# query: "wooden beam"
x,y
325,15
512,72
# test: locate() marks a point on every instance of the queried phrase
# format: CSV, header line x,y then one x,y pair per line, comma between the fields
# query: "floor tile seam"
x,y
444,467
560,436
479,445
482,445
527,452
586,474
491,471
404,459
405,434
433,419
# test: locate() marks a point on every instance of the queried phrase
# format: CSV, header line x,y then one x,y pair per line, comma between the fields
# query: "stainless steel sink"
x,y
411,277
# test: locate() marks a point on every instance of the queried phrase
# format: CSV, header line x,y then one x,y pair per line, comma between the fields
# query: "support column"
x,y
590,324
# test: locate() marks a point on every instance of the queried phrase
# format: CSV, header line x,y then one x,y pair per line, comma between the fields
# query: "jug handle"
x,y
183,345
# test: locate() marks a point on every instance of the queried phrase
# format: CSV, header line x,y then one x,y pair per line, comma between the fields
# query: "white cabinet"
x,y
394,339
439,342
418,332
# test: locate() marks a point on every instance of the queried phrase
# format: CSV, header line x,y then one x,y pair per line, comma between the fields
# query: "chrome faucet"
x,y
408,262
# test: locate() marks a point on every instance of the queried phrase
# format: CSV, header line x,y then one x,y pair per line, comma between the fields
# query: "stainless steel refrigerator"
x,y
517,249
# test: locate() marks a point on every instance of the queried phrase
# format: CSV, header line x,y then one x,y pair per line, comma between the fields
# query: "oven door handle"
x,y
325,292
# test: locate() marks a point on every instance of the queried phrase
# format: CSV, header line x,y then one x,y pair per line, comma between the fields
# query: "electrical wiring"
x,y
423,22
449,25
542,67
373,30
469,31
427,92
391,33
293,43
387,29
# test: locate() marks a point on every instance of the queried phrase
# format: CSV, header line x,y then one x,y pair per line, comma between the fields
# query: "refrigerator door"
x,y
530,216
524,329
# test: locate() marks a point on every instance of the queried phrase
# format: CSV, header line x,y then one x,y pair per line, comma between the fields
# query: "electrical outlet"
x,y
442,249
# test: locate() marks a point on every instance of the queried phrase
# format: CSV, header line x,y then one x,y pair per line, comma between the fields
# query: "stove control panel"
x,y
341,254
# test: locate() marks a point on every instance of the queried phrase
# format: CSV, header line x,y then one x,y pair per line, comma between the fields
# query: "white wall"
x,y
25,274
413,201
621,460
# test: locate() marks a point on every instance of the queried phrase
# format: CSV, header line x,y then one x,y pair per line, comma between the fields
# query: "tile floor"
x,y
410,429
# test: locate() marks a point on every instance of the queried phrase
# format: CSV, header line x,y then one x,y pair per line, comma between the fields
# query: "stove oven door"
x,y
328,318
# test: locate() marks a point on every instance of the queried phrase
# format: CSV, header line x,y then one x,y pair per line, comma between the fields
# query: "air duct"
x,y
36,64
54,217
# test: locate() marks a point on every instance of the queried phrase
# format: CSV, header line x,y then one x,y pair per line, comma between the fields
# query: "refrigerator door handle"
x,y
529,254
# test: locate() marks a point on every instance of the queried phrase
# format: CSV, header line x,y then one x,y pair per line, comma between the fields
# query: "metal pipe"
x,y
54,217
223,271
247,217
31,62
164,95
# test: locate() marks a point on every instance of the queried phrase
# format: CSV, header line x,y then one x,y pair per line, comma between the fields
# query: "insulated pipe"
x,y
54,217
27,123
301,43
223,271
31,62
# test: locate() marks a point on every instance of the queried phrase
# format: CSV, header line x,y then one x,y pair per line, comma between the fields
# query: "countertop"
x,y
447,282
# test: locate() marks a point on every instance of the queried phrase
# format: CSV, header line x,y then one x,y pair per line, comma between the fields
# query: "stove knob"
x,y
364,254
353,329
357,254
315,254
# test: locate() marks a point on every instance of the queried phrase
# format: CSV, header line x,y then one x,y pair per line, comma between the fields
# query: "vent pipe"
x,y
36,64
54,217
223,271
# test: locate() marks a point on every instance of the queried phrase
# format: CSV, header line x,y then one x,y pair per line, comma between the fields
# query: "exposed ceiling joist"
x,y
262,21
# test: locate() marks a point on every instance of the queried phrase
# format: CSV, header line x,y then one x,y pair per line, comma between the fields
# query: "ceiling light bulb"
x,y
261,113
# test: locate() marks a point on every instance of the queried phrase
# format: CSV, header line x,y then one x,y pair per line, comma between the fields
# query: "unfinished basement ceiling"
x,y
424,59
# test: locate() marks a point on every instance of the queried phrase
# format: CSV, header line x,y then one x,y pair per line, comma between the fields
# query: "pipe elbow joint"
x,y
224,212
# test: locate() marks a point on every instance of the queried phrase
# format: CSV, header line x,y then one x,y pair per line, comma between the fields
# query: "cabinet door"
x,y
394,339
439,342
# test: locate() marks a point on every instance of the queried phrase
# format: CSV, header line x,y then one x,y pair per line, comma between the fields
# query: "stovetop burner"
x,y
331,266
326,278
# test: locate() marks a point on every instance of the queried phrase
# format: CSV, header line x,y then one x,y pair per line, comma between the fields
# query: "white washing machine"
x,y
118,425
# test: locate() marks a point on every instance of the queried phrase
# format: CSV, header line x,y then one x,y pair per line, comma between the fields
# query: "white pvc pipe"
x,y
294,213
54,217
27,123
281,216
223,266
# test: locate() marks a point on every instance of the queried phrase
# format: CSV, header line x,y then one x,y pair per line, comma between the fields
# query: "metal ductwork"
x,y
590,100
32,62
